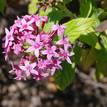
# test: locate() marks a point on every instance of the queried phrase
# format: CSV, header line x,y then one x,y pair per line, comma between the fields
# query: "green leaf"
x,y
67,1
80,26
32,7
101,63
89,39
56,15
101,70
101,55
46,12
99,14
85,8
2,6
65,77
88,58
76,57
104,41
98,46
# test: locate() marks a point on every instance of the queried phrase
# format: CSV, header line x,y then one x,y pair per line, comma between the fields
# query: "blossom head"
x,y
37,53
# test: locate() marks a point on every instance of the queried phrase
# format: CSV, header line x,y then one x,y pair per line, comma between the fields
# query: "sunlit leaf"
x,y
104,41
98,46
80,26
32,8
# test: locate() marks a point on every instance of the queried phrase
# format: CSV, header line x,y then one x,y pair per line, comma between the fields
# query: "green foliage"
x,y
67,1
87,59
32,8
55,15
100,13
104,41
77,56
78,27
90,39
89,45
101,70
101,55
85,5
66,76
2,6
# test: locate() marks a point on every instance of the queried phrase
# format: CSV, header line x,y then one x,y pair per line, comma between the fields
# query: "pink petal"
x,y
23,21
33,65
27,73
53,71
30,49
6,43
31,21
68,60
22,68
38,38
45,74
38,23
31,42
55,27
27,63
44,52
7,31
53,48
37,53
49,56
30,28
60,42
34,72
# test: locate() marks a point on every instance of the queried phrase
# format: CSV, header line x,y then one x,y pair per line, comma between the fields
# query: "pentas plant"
x,y
33,52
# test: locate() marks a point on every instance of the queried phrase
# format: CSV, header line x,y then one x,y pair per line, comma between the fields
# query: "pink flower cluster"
x,y
32,51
